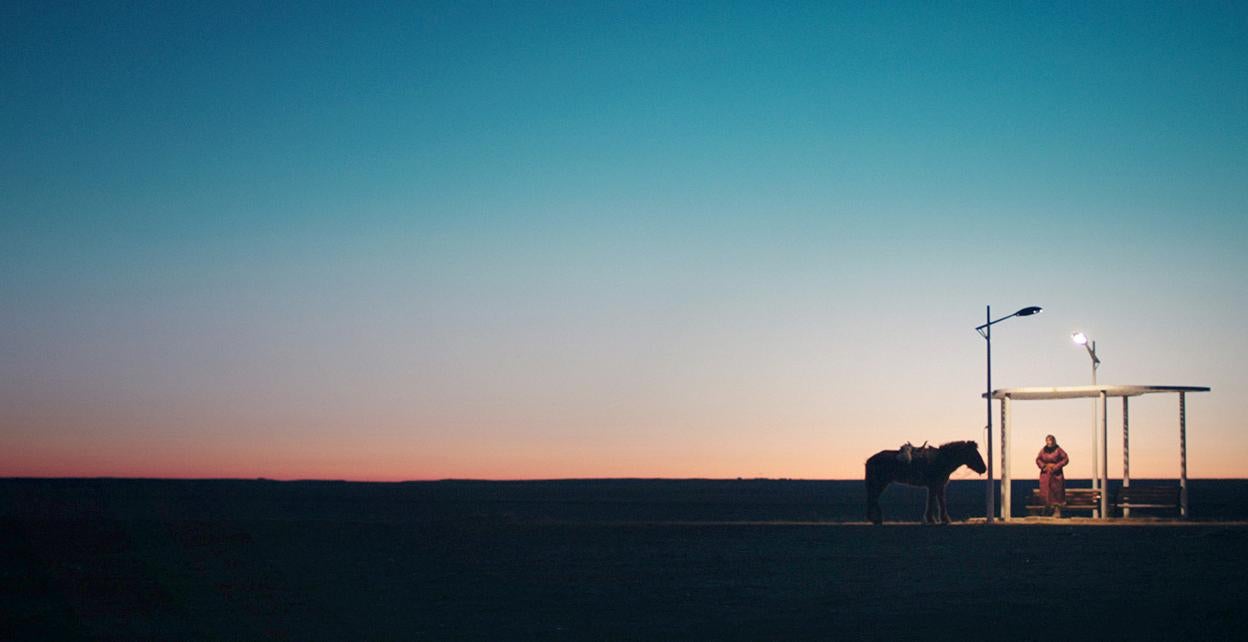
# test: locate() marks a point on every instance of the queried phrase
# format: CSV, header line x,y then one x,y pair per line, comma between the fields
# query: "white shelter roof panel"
x,y
1077,392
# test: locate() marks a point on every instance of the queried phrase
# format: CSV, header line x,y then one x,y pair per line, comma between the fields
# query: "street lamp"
x,y
985,331
1082,339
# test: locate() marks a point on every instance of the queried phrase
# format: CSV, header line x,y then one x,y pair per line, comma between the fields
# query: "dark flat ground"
x,y
127,559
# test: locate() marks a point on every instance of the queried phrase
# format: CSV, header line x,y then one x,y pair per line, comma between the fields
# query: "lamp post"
x,y
1082,339
985,331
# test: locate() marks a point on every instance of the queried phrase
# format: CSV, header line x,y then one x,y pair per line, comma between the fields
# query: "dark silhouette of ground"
x,y
127,559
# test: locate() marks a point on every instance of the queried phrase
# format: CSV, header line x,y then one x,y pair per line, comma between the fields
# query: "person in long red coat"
x,y
1051,460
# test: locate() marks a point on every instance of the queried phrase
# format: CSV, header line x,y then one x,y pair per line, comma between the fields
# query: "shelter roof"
x,y
1076,392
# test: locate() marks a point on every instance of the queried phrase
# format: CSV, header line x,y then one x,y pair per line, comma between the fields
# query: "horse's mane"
x,y
958,445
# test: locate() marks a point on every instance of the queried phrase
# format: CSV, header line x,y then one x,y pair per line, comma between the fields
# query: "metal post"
x,y
985,331
990,507
1126,452
1007,505
1096,419
1183,455
1104,456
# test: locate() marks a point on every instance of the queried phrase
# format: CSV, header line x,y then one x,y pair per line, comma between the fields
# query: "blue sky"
x,y
525,240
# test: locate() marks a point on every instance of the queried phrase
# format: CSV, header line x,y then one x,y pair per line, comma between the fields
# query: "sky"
x,y
612,239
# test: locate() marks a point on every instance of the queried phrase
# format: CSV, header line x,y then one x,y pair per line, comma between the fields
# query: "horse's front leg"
x,y
944,507
931,512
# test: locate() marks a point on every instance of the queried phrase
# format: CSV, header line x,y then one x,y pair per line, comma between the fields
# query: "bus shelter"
x,y
1100,437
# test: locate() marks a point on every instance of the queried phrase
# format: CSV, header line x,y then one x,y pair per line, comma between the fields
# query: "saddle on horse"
x,y
908,452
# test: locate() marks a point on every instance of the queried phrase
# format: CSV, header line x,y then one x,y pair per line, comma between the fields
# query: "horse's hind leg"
x,y
874,489
874,514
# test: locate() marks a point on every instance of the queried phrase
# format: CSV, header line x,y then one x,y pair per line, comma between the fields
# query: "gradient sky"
x,y
545,240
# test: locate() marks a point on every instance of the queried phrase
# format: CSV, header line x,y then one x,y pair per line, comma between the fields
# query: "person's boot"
x,y
1057,511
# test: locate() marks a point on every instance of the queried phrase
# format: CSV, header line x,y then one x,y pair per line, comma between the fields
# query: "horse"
x,y
929,467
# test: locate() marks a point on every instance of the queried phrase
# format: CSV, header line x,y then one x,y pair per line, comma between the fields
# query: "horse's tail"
x,y
869,470
878,471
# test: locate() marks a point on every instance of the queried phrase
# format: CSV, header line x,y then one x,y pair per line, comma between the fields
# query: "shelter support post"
x,y
1104,456
1006,504
1126,452
1096,420
1183,455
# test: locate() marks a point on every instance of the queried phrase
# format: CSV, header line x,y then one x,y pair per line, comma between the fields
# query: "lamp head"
x,y
1026,312
1079,338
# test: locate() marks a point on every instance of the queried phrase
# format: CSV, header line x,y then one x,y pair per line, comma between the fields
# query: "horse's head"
x,y
965,453
973,459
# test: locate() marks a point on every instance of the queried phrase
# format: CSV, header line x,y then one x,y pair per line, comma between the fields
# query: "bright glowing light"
x,y
1080,338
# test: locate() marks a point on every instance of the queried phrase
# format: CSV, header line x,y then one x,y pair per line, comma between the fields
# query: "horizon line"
x,y
532,480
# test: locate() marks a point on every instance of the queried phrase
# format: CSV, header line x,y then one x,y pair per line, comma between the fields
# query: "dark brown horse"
x,y
927,467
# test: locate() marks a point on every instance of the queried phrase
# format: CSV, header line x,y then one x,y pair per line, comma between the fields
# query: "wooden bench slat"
x,y
1076,499
1148,497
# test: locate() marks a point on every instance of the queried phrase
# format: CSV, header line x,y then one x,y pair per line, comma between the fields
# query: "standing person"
x,y
1051,460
